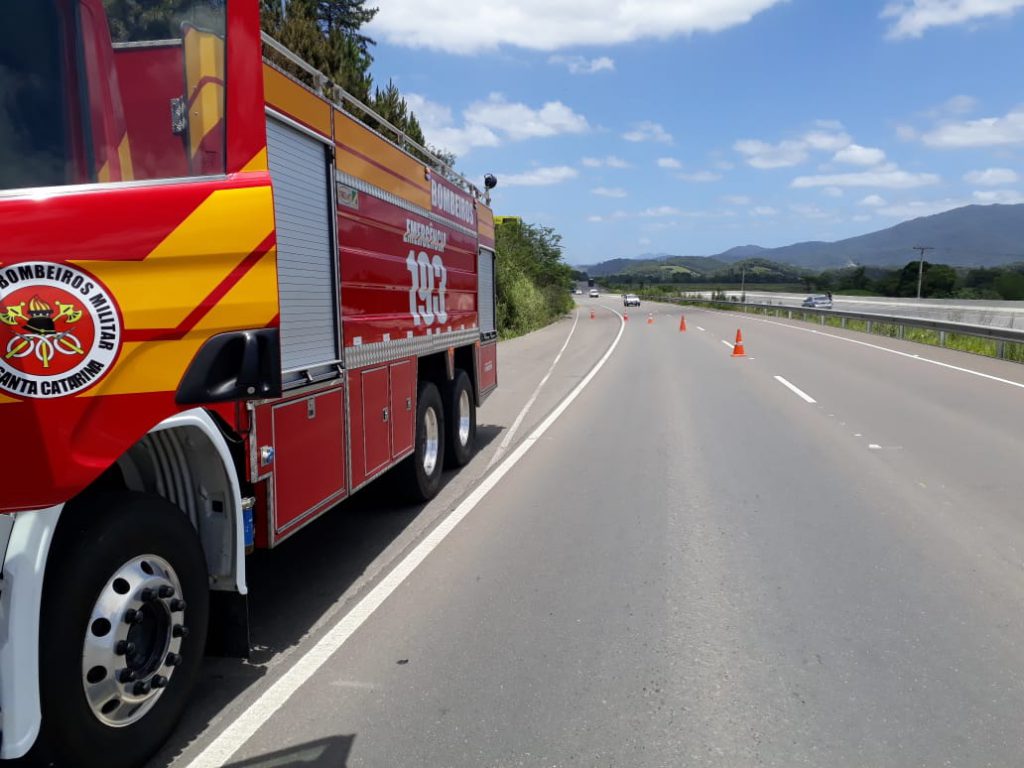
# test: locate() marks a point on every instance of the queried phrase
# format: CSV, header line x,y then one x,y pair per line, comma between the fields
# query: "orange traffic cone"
x,y
625,317
650,319
682,323
591,314
737,350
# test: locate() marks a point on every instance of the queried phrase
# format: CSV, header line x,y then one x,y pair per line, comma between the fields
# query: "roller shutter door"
x,y
305,254
485,285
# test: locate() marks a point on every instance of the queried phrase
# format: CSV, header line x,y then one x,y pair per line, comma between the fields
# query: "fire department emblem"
x,y
60,330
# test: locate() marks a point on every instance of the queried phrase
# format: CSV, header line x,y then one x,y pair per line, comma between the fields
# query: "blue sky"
x,y
690,126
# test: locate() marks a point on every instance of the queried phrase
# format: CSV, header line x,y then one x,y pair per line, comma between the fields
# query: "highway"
x,y
999,314
809,555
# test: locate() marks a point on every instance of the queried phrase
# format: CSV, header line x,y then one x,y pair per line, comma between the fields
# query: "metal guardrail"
x,y
340,97
1001,336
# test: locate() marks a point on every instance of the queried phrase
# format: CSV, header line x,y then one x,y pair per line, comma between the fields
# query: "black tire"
x,y
421,483
96,540
461,444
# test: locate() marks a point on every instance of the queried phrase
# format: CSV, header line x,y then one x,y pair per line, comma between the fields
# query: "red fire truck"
x,y
230,296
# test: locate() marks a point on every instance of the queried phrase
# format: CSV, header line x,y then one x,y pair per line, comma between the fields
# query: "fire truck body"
x,y
227,304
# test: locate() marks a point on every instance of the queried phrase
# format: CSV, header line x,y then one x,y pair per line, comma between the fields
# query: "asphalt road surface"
x,y
810,555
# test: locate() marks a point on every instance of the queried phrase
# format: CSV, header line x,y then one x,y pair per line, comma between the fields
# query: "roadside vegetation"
x,y
939,281
532,280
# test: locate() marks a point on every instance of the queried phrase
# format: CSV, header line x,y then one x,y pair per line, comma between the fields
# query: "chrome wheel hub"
x,y
432,432
464,417
133,640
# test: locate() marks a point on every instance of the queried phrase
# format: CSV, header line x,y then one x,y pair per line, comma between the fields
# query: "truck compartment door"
x,y
309,456
403,407
376,420
306,256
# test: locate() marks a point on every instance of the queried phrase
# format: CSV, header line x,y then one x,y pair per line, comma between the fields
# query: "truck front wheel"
x,y
123,627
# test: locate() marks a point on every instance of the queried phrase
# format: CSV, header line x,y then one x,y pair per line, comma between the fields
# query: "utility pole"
x,y
921,249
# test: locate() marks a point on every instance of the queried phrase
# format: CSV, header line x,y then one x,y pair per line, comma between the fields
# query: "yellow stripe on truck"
x,y
191,261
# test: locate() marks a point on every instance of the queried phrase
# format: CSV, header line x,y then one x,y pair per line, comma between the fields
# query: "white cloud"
x,y
920,208
581,65
1001,196
855,154
660,212
959,105
763,210
992,177
907,132
737,199
914,17
469,26
861,217
595,219
700,177
519,121
828,136
986,132
648,131
608,192
886,176
644,241
809,211
540,177
669,162
829,140
611,161
761,154
832,191
490,123
874,201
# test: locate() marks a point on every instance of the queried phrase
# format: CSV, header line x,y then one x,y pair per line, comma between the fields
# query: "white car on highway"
x,y
631,300
818,302
594,293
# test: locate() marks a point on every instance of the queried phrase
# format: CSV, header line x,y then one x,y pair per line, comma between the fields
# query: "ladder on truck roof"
x,y
343,100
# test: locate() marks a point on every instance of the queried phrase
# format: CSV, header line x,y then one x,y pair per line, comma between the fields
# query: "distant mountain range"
x,y
975,235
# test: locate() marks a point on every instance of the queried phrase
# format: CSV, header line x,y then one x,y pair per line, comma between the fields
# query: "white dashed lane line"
x,y
795,390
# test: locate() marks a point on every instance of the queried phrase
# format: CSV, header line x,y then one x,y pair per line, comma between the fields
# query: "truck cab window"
x,y
98,91
34,145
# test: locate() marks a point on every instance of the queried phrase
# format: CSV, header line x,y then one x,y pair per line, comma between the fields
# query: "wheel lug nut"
x,y
158,681
141,688
124,647
131,616
148,595
125,676
172,660
179,630
177,605
166,591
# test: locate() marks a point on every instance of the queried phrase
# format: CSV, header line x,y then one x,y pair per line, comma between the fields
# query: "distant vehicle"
x,y
818,302
594,293
631,300
578,292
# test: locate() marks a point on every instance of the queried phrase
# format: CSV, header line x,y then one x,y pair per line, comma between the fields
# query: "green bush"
x,y
532,280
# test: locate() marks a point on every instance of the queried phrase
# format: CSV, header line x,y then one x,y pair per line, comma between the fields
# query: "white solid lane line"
x,y
237,733
507,441
729,344
699,328
795,390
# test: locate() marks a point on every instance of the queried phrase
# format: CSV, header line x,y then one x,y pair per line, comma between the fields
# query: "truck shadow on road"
x,y
323,753
293,586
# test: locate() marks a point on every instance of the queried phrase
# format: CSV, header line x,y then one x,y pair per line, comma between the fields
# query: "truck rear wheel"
x,y
123,627
423,470
461,412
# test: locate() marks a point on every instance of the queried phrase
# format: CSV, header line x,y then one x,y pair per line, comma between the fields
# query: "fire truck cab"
x,y
230,297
